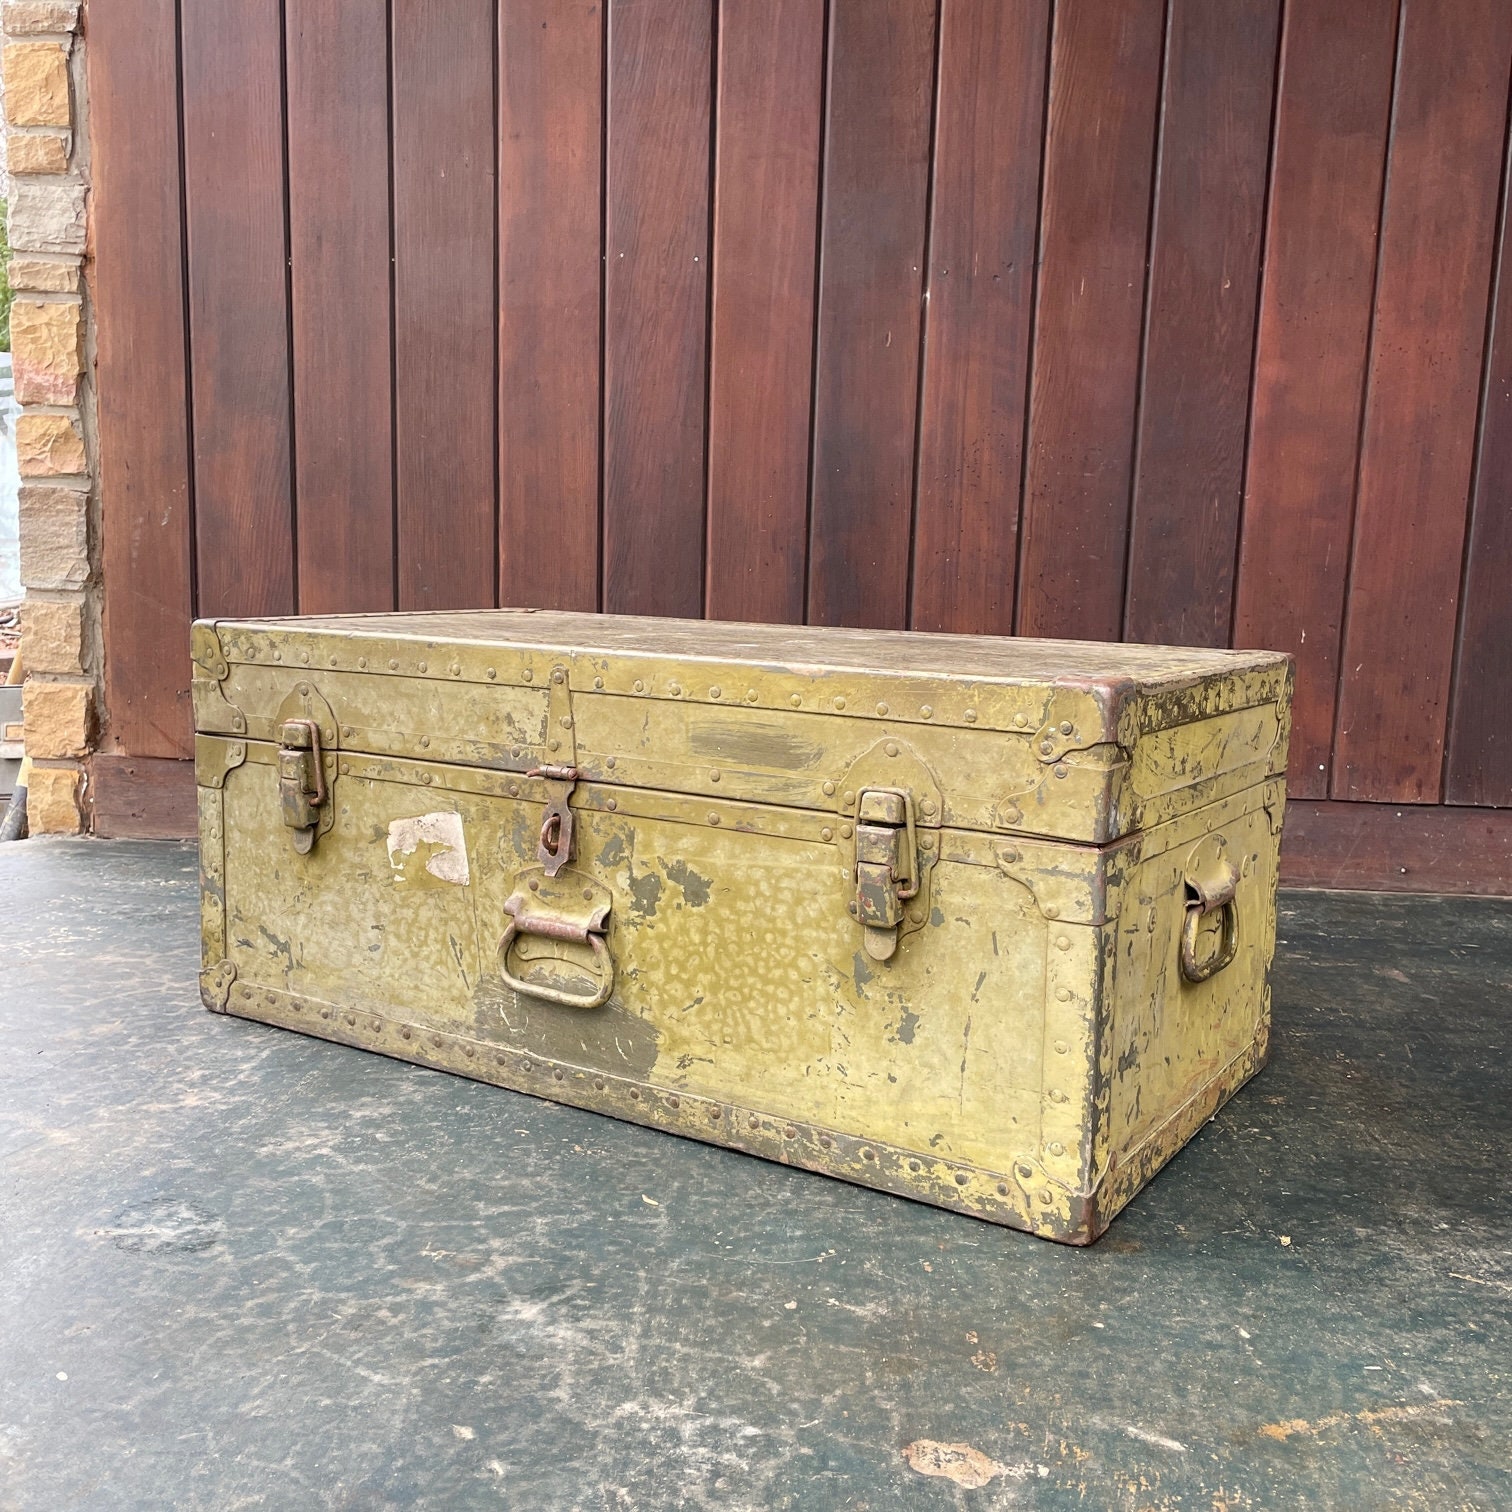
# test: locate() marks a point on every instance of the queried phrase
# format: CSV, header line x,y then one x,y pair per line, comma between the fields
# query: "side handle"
x,y
1211,880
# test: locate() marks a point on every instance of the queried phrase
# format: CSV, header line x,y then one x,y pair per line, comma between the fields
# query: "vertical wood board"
x,y
1200,323
234,193
144,462
1099,161
1478,768
1332,118
550,281
985,216
655,304
339,244
1443,176
876,190
766,188
445,333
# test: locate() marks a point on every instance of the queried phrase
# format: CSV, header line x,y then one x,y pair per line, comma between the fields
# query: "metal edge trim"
x,y
993,1196
1130,1171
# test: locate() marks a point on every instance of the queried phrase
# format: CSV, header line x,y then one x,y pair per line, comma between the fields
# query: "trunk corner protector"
x,y
206,651
215,985
1082,713
215,757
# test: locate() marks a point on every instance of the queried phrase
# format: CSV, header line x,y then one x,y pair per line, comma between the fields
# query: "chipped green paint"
x,y
695,889
646,890
1030,1053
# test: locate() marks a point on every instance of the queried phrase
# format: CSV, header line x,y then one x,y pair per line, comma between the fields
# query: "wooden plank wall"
x,y
1184,320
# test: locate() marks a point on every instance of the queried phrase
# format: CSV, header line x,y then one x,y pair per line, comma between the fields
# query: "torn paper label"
x,y
429,845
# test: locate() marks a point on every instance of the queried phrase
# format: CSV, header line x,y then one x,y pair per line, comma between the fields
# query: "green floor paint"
x,y
241,1268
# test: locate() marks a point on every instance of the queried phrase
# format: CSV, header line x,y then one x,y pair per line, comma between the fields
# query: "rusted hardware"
x,y
594,999
557,903
555,848
301,779
1211,881
887,866
572,909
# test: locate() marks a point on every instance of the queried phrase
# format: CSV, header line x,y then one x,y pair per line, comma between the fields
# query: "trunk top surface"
x,y
801,649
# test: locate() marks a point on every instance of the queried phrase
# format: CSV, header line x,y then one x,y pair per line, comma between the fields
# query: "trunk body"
x,y
982,922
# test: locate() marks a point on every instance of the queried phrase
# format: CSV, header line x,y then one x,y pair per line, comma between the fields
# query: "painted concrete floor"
x,y
244,1269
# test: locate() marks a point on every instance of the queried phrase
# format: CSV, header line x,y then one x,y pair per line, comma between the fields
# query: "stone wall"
x,y
47,149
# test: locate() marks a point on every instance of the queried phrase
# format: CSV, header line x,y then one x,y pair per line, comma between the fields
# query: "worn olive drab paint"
x,y
982,922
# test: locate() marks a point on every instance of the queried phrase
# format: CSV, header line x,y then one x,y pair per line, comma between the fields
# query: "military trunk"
x,y
981,922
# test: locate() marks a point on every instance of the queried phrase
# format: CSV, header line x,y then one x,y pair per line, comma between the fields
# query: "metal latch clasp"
x,y
301,779
555,848
887,866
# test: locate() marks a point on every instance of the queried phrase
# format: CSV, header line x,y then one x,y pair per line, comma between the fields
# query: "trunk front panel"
x,y
741,981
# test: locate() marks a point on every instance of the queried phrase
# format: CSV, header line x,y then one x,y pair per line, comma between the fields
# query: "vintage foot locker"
x,y
983,922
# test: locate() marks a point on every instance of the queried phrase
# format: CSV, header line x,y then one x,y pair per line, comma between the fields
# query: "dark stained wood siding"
x,y
551,132
989,139
238,269
341,261
656,290
1479,766
445,347
1200,320
1335,102
766,188
871,280
1443,173
1105,70
1156,319
148,537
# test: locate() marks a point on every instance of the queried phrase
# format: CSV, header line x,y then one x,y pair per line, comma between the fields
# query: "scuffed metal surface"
x,y
1012,1026
1027,1034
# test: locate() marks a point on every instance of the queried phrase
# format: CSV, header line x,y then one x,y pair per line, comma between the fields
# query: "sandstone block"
x,y
49,446
36,83
47,349
52,801
57,716
46,216
54,536
29,18
52,634
37,152
38,276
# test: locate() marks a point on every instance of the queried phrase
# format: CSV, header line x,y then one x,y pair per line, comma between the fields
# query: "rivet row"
x,y
714,1112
